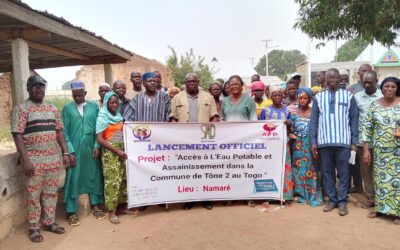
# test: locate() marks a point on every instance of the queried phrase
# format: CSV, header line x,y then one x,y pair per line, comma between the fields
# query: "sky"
x,y
230,30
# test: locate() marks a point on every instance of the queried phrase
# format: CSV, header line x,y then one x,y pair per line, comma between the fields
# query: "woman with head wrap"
x,y
173,91
258,89
381,128
307,188
278,111
109,127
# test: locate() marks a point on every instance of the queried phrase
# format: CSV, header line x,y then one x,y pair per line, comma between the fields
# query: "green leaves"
x,y
280,62
347,19
188,63
351,49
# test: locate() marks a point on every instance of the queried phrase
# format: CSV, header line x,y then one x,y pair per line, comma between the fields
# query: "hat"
x,y
77,85
35,79
295,74
104,84
257,85
148,75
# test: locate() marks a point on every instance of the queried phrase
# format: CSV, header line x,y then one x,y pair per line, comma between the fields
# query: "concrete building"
x,y
385,62
350,67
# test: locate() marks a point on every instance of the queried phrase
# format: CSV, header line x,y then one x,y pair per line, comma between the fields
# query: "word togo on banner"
x,y
179,162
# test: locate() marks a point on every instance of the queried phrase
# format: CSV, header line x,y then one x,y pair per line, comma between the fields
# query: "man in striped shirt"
x,y
334,132
151,105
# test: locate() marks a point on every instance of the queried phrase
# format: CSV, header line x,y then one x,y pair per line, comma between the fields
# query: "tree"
x,y
346,19
351,49
280,62
186,64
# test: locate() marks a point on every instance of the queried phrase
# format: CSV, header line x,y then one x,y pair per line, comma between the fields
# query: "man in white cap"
x,y
295,77
86,175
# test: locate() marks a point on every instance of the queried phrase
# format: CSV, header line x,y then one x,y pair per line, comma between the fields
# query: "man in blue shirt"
x,y
334,132
364,99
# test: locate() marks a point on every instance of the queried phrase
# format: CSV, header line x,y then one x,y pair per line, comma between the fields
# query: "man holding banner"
x,y
151,105
194,105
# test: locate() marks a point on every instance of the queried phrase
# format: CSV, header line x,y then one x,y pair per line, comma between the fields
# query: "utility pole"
x,y
252,60
266,54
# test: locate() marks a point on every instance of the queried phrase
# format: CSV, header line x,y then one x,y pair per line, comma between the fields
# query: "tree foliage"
x,y
347,19
351,49
280,62
189,63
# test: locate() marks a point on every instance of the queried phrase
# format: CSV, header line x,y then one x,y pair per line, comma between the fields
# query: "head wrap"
x,y
257,85
148,75
275,89
105,118
35,79
174,88
77,85
104,84
304,90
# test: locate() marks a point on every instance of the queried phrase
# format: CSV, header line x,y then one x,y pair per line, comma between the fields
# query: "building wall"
x,y
5,99
93,75
350,67
384,72
12,200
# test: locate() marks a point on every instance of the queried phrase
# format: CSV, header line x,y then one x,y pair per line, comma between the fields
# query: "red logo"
x,y
269,130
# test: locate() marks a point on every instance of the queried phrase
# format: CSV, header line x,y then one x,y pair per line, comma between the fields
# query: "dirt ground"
x,y
232,227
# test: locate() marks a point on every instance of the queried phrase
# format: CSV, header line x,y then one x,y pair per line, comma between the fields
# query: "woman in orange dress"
x,y
109,130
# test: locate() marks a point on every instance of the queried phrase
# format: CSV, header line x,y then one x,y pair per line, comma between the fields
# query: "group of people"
x,y
326,127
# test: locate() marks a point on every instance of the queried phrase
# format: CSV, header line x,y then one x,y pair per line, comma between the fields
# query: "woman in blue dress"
x,y
307,189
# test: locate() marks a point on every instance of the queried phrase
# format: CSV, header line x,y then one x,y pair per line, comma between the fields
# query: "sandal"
x,y
114,219
99,214
35,236
73,220
265,204
372,215
367,205
54,228
129,211
251,204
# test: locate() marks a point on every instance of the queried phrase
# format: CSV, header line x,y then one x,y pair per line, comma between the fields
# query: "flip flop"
x,y
99,214
372,215
251,204
54,228
35,236
114,219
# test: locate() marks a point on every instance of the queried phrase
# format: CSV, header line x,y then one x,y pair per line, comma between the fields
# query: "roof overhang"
x,y
52,41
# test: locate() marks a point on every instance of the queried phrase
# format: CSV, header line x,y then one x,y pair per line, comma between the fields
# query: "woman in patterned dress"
x,y
109,135
307,189
278,111
382,124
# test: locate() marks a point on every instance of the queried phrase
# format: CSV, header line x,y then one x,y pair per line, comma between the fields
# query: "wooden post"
x,y
20,58
108,76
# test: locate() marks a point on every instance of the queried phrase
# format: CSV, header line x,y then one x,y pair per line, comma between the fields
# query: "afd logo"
x,y
269,130
208,131
267,185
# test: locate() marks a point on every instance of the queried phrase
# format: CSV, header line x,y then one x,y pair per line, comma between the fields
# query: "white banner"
x,y
179,162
